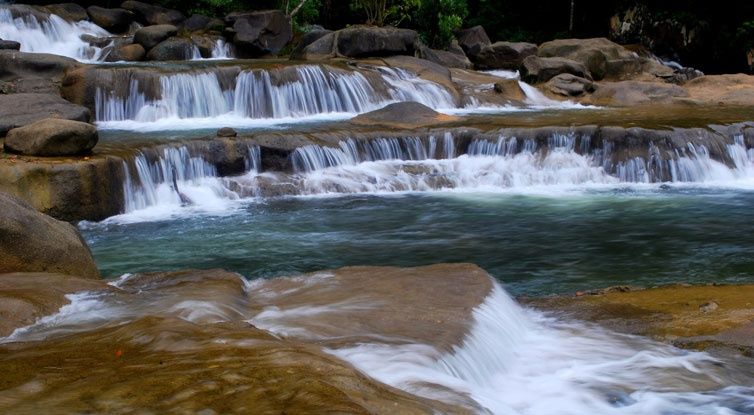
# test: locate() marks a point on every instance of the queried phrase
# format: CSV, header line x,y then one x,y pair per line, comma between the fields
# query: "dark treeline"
x,y
712,36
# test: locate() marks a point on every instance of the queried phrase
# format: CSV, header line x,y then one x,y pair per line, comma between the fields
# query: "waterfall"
x,y
51,35
221,50
278,94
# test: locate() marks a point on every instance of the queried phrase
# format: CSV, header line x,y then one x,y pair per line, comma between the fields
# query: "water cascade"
x,y
138,99
51,34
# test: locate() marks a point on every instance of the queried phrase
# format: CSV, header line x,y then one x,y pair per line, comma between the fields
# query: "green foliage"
x,y
745,34
385,12
438,20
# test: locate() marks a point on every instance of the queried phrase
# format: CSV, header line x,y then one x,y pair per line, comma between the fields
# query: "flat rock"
x,y
17,110
404,115
52,137
630,93
33,242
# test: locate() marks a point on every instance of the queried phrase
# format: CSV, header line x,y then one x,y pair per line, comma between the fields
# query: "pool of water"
x,y
535,244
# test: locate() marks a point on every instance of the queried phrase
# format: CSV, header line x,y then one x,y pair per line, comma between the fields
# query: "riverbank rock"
x,y
26,297
368,41
535,69
404,115
152,14
18,110
731,89
150,36
502,55
127,53
9,45
34,242
112,20
15,65
631,93
446,58
260,33
52,137
473,37
68,11
570,85
601,57
173,49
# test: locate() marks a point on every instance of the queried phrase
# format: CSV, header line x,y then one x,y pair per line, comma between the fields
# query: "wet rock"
x,y
570,85
15,64
99,42
511,89
424,69
26,297
68,11
173,49
150,36
152,14
502,55
18,110
52,137
366,41
601,57
473,37
260,33
112,20
9,45
227,132
127,53
34,242
404,115
535,69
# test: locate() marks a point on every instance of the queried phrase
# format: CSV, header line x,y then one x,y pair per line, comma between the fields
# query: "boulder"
x,y
26,12
260,33
127,53
152,14
368,41
471,37
502,55
510,89
17,110
9,45
173,49
404,115
196,22
68,11
15,64
97,41
319,49
630,93
603,58
569,85
535,69
52,137
308,39
33,242
112,20
226,132
150,36
445,58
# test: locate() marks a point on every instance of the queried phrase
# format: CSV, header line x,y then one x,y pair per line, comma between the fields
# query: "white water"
x,y
54,35
518,361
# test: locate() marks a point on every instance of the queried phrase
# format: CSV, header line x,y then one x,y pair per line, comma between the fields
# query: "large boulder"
x,y
9,45
15,64
446,58
173,49
535,69
570,85
150,36
52,137
502,55
17,110
472,37
112,20
260,33
603,58
404,115
308,39
320,47
152,14
33,242
366,41
631,93
128,53
68,11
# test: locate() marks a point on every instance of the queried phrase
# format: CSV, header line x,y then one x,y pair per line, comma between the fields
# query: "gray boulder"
x,y
260,33
502,55
52,137
535,69
173,49
112,20
33,242
601,57
152,14
368,41
472,37
17,110
150,36
446,58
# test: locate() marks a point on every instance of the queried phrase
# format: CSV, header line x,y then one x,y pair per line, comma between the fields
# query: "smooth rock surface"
x,y
404,115
535,69
112,20
502,55
150,36
127,53
173,49
17,110
52,137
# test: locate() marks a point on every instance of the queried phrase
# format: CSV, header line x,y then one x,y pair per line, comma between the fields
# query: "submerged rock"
x,y
404,115
52,137
33,242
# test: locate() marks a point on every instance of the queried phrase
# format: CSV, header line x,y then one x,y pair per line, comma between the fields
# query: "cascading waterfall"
x,y
286,94
51,35
431,163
